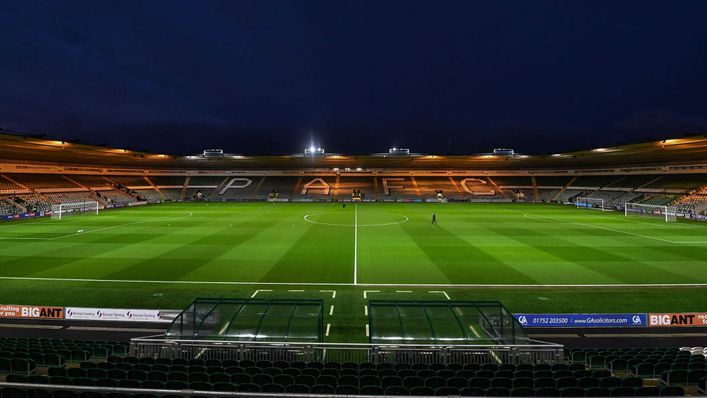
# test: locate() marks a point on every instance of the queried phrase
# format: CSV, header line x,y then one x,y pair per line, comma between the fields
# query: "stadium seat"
x,y
497,392
446,392
248,387
284,380
571,392
632,382
472,392
348,380
272,388
623,392
371,390
225,387
346,390
197,385
421,391
646,391
433,382
154,384
523,382
598,392
610,382
457,382
481,382
547,392
396,390
672,391
522,392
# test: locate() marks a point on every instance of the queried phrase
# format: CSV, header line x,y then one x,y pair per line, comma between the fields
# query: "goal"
x,y
65,209
656,211
590,203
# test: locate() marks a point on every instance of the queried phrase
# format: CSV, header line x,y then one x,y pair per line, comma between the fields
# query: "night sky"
x,y
357,76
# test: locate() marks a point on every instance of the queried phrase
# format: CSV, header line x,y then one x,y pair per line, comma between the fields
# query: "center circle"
x,y
365,219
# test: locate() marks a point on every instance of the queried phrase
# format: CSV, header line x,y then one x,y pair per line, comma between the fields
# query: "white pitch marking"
x,y
260,290
355,281
295,290
449,285
365,310
613,230
403,291
365,293
473,330
331,310
97,230
328,326
404,219
368,330
440,292
333,292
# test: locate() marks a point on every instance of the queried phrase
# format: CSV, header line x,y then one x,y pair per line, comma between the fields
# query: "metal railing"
x,y
107,391
161,347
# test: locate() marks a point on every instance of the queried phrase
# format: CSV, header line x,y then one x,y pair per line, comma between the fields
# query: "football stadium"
x,y
353,199
387,274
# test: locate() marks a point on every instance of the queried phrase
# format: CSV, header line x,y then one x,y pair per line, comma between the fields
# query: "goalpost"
x,y
656,211
64,209
589,203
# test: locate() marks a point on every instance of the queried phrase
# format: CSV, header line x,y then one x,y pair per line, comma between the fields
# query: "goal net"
x,y
655,211
589,203
69,209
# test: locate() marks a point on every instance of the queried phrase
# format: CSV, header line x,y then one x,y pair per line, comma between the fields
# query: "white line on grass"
x,y
295,290
403,291
473,330
365,293
365,310
333,292
355,281
258,291
526,215
328,326
440,292
331,310
100,229
403,219
449,285
368,330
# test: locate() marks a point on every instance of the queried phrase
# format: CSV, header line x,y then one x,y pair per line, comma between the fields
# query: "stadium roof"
x,y
22,149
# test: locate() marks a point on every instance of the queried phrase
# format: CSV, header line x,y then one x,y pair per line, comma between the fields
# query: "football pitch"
x,y
533,258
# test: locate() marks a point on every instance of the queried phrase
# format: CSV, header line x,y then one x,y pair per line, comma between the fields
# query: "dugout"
x,y
443,322
250,320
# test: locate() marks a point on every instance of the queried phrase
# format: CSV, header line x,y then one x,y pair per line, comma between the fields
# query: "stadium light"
x,y
395,151
314,151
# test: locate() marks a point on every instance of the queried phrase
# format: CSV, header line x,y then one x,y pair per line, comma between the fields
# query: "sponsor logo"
x,y
581,320
688,319
115,314
30,311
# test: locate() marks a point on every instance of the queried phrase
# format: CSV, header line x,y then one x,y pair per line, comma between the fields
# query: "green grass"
x,y
184,248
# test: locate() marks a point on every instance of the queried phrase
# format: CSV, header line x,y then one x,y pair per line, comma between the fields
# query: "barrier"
x,y
161,347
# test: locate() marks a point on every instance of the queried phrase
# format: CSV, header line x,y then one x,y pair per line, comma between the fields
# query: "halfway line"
x,y
355,281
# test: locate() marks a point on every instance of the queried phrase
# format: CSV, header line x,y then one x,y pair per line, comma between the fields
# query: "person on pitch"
x,y
434,218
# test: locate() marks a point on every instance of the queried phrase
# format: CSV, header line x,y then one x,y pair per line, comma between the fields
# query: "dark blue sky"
x,y
357,76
